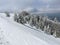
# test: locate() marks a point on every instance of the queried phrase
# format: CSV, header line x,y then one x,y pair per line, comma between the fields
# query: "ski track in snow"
x,y
18,34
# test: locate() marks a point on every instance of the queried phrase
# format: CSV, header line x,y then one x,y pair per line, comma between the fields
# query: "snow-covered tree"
x,y
54,34
48,30
55,19
56,30
15,17
36,22
7,14
45,29
23,17
31,21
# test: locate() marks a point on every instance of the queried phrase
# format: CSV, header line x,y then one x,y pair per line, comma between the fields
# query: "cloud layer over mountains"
x,y
13,5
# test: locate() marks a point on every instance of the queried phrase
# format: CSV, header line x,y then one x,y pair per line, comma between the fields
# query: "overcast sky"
x,y
21,4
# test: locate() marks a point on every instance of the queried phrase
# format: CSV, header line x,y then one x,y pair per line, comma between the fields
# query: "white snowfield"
x,y
18,34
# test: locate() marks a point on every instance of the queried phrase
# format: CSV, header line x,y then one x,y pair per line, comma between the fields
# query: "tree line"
x,y
40,22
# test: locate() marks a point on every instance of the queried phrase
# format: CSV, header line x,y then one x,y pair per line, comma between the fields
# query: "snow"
x,y
18,34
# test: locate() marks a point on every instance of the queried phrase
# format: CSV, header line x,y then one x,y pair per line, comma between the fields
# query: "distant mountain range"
x,y
51,13
55,13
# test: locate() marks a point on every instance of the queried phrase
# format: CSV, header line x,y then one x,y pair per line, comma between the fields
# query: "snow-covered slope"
x,y
18,34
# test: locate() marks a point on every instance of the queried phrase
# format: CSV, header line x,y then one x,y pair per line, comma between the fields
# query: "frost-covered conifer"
x,y
55,19
15,17
31,21
7,14
45,28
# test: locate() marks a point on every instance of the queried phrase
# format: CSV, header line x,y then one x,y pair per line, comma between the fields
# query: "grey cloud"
x,y
21,4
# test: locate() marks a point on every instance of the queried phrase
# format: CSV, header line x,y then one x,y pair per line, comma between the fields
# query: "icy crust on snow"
x,y
18,34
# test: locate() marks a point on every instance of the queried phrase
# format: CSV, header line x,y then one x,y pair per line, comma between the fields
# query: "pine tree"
x,y
37,22
55,19
48,30
15,17
45,29
7,14
31,21
54,34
